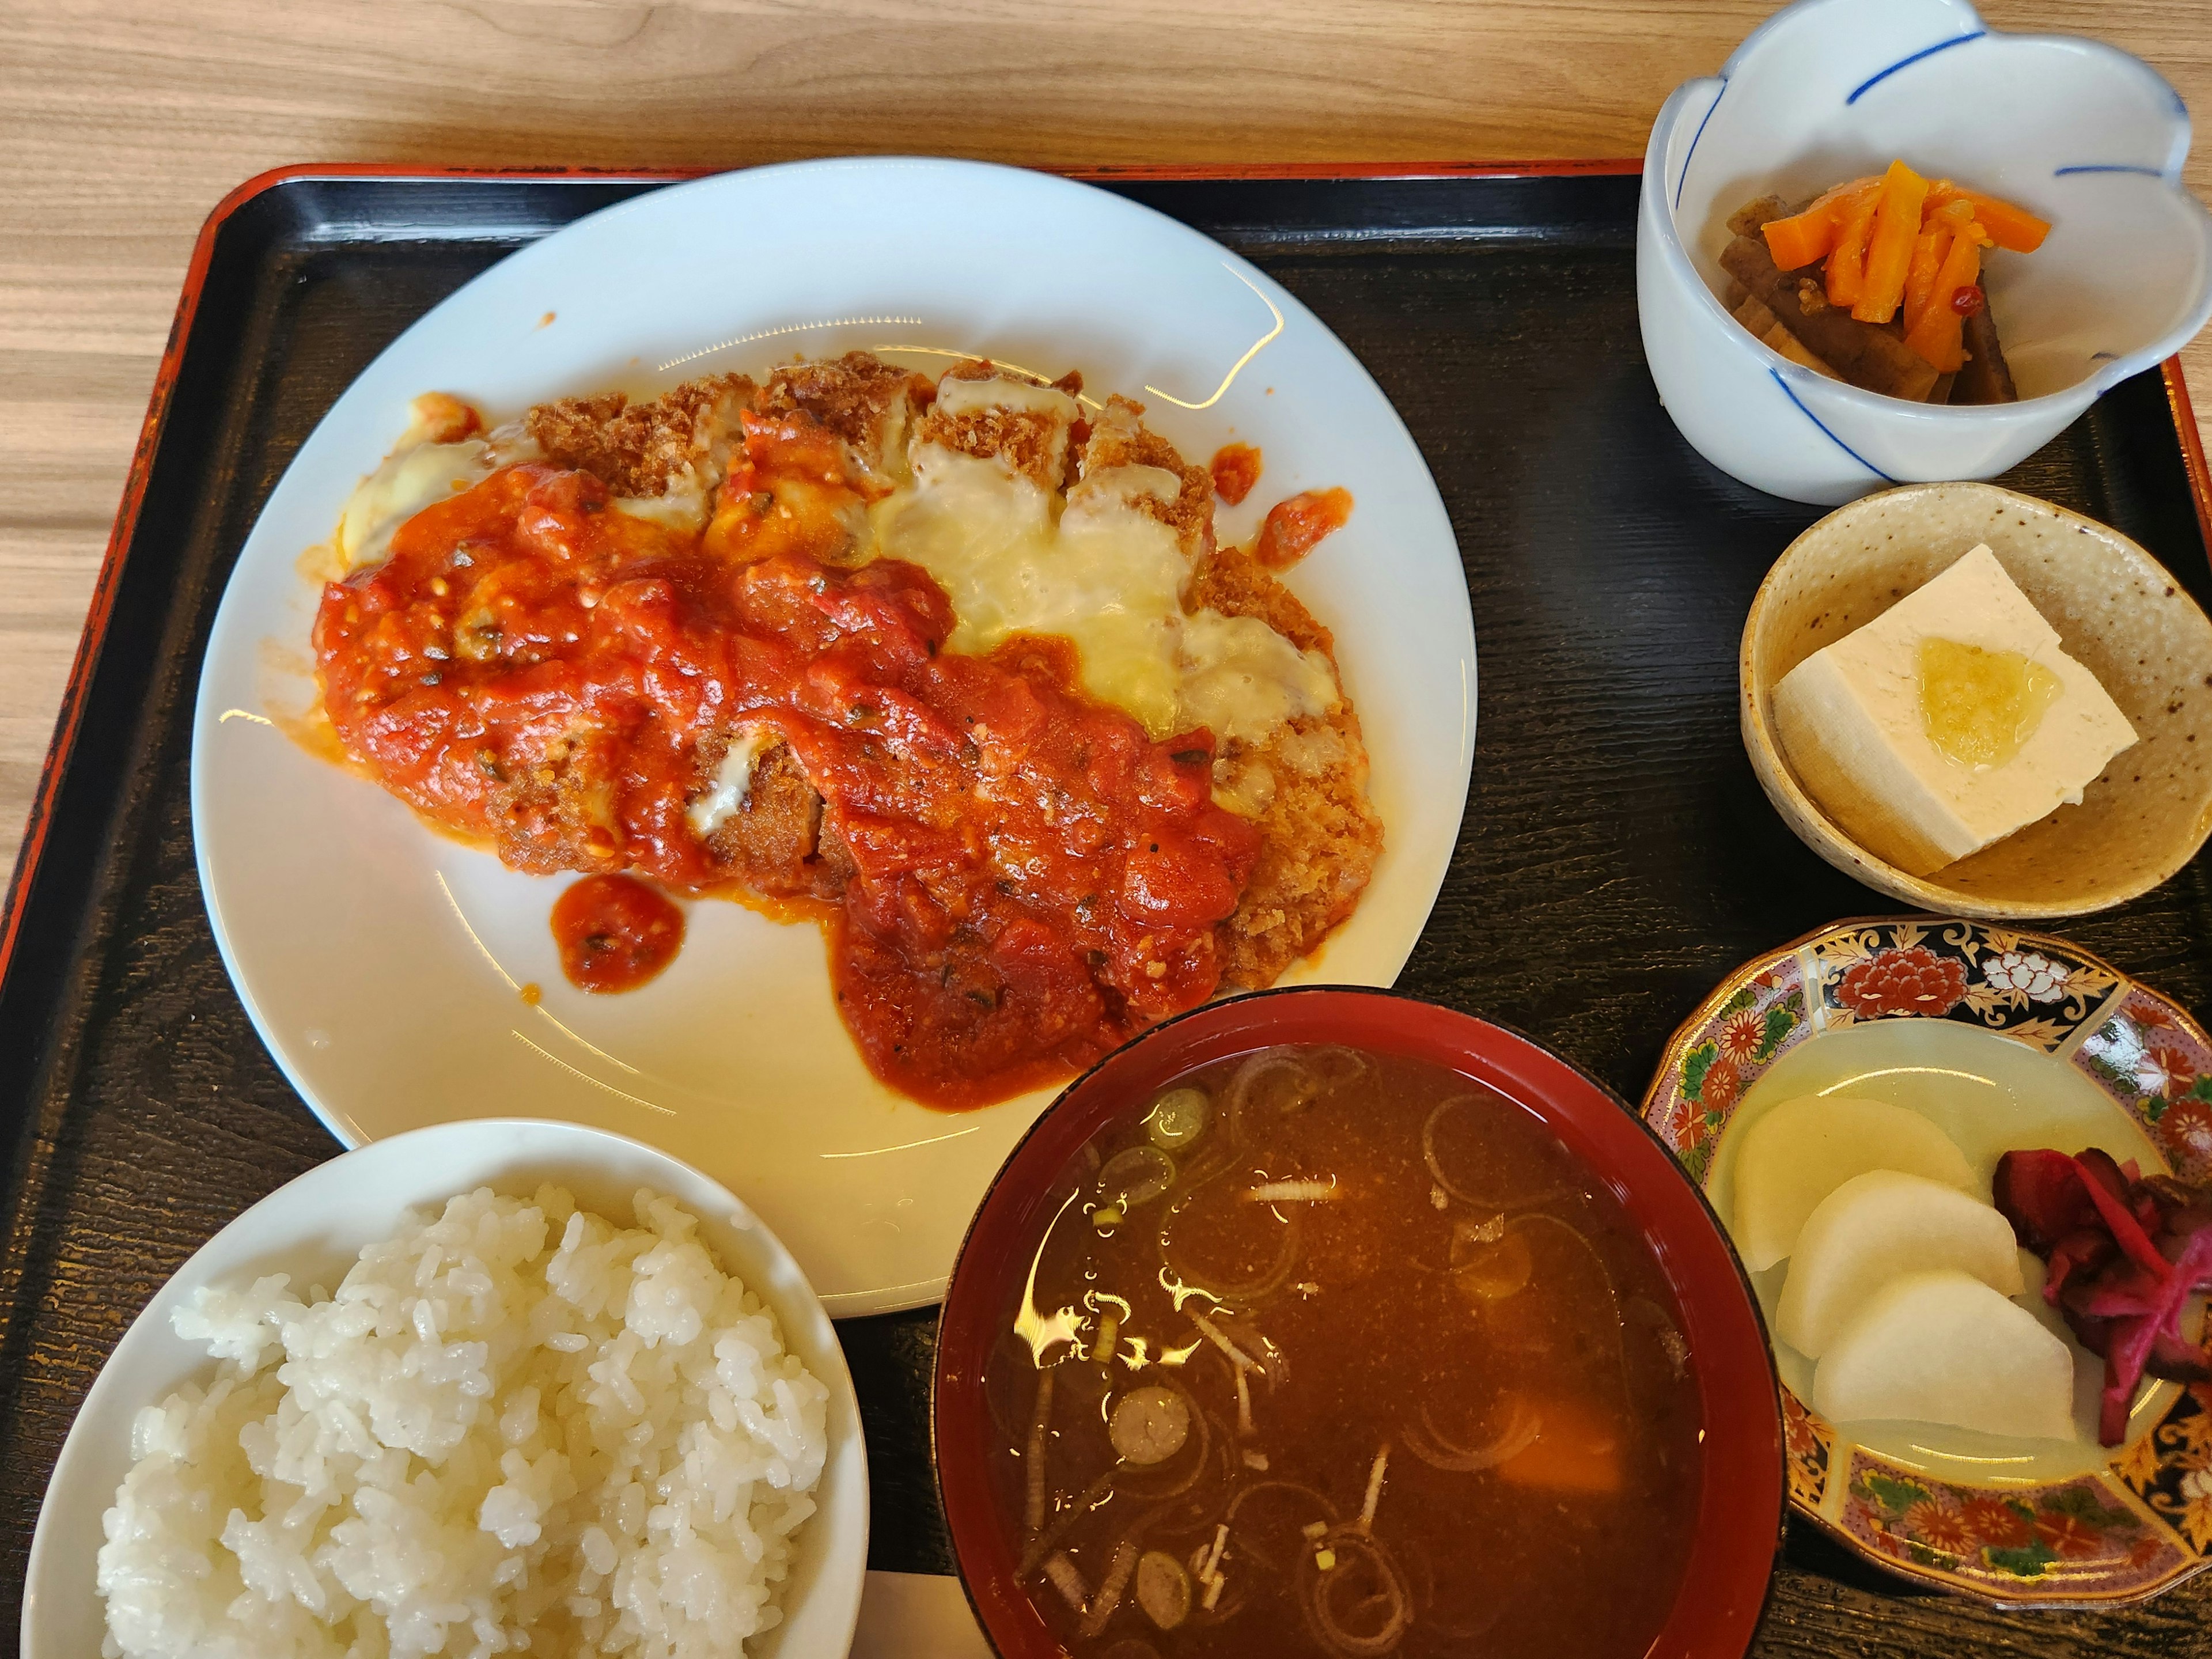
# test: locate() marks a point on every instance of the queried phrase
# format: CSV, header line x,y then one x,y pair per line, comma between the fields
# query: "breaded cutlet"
x,y
1033,443
1304,786
769,844
680,438
1119,437
867,402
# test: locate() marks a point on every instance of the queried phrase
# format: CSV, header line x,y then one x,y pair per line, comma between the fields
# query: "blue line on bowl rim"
x,y
1875,80
1775,374
1692,155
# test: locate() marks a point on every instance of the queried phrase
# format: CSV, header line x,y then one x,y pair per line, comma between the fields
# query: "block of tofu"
x,y
1862,721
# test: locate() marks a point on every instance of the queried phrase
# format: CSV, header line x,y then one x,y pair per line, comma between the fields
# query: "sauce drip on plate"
x,y
1235,469
1295,526
1014,876
615,932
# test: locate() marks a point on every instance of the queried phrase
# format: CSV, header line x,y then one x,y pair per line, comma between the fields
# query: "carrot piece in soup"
x,y
1577,1449
1847,260
2012,229
1889,248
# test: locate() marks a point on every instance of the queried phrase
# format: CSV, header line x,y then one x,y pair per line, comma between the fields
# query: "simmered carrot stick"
x,y
1847,262
1940,337
2014,229
1889,249
1798,241
1577,1449
1928,250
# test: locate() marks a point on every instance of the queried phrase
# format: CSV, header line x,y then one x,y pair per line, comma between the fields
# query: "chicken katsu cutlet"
x,y
959,666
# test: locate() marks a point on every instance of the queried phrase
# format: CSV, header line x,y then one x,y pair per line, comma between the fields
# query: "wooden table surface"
x,y
124,122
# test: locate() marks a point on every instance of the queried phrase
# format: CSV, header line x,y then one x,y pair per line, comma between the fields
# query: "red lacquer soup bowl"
x,y
1742,1489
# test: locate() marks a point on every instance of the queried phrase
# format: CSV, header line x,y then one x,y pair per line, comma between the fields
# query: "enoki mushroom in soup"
x,y
1329,1353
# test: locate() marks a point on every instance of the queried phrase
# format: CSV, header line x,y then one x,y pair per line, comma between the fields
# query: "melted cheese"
x,y
1109,576
1126,485
1025,396
1014,557
1243,679
684,507
419,472
410,479
734,782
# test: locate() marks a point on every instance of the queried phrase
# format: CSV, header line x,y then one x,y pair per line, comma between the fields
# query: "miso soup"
x,y
1341,1354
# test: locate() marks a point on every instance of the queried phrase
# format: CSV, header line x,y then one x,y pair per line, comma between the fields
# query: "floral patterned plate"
x,y
2086,1054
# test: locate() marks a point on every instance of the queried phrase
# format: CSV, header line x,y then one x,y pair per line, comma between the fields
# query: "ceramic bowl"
x,y
1738,1526
2117,611
2065,1046
314,1227
2080,133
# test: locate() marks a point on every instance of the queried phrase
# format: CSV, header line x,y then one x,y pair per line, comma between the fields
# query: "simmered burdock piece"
x,y
1761,323
1899,253
1986,378
1864,354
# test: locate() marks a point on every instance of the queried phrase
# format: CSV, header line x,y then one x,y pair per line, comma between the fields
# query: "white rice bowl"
x,y
514,1427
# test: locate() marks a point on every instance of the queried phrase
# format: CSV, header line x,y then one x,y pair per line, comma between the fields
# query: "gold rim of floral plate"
x,y
2143,1523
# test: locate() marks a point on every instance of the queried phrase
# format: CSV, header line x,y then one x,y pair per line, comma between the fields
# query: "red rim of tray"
x,y
1743,1500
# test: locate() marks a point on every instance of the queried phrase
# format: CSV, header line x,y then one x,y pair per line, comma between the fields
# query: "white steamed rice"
x,y
514,1427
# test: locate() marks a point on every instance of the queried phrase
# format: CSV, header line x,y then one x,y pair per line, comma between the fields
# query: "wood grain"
x,y
122,122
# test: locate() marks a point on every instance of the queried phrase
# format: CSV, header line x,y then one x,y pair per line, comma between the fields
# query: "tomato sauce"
x,y
1235,469
615,932
1017,878
1296,524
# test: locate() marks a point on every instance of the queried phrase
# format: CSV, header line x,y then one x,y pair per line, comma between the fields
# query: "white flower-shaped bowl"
x,y
315,1227
2080,133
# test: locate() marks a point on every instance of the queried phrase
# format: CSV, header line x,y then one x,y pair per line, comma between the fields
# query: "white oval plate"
x,y
381,963
315,1228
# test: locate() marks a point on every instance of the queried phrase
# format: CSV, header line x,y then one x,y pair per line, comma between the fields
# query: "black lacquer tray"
x,y
1616,860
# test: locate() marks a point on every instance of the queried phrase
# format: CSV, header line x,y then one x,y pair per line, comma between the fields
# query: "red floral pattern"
x,y
1723,1083
2178,1068
2070,1535
2186,1128
1910,980
1996,1521
1941,1526
1740,1035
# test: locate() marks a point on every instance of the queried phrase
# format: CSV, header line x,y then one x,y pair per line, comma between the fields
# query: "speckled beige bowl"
x,y
2117,611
